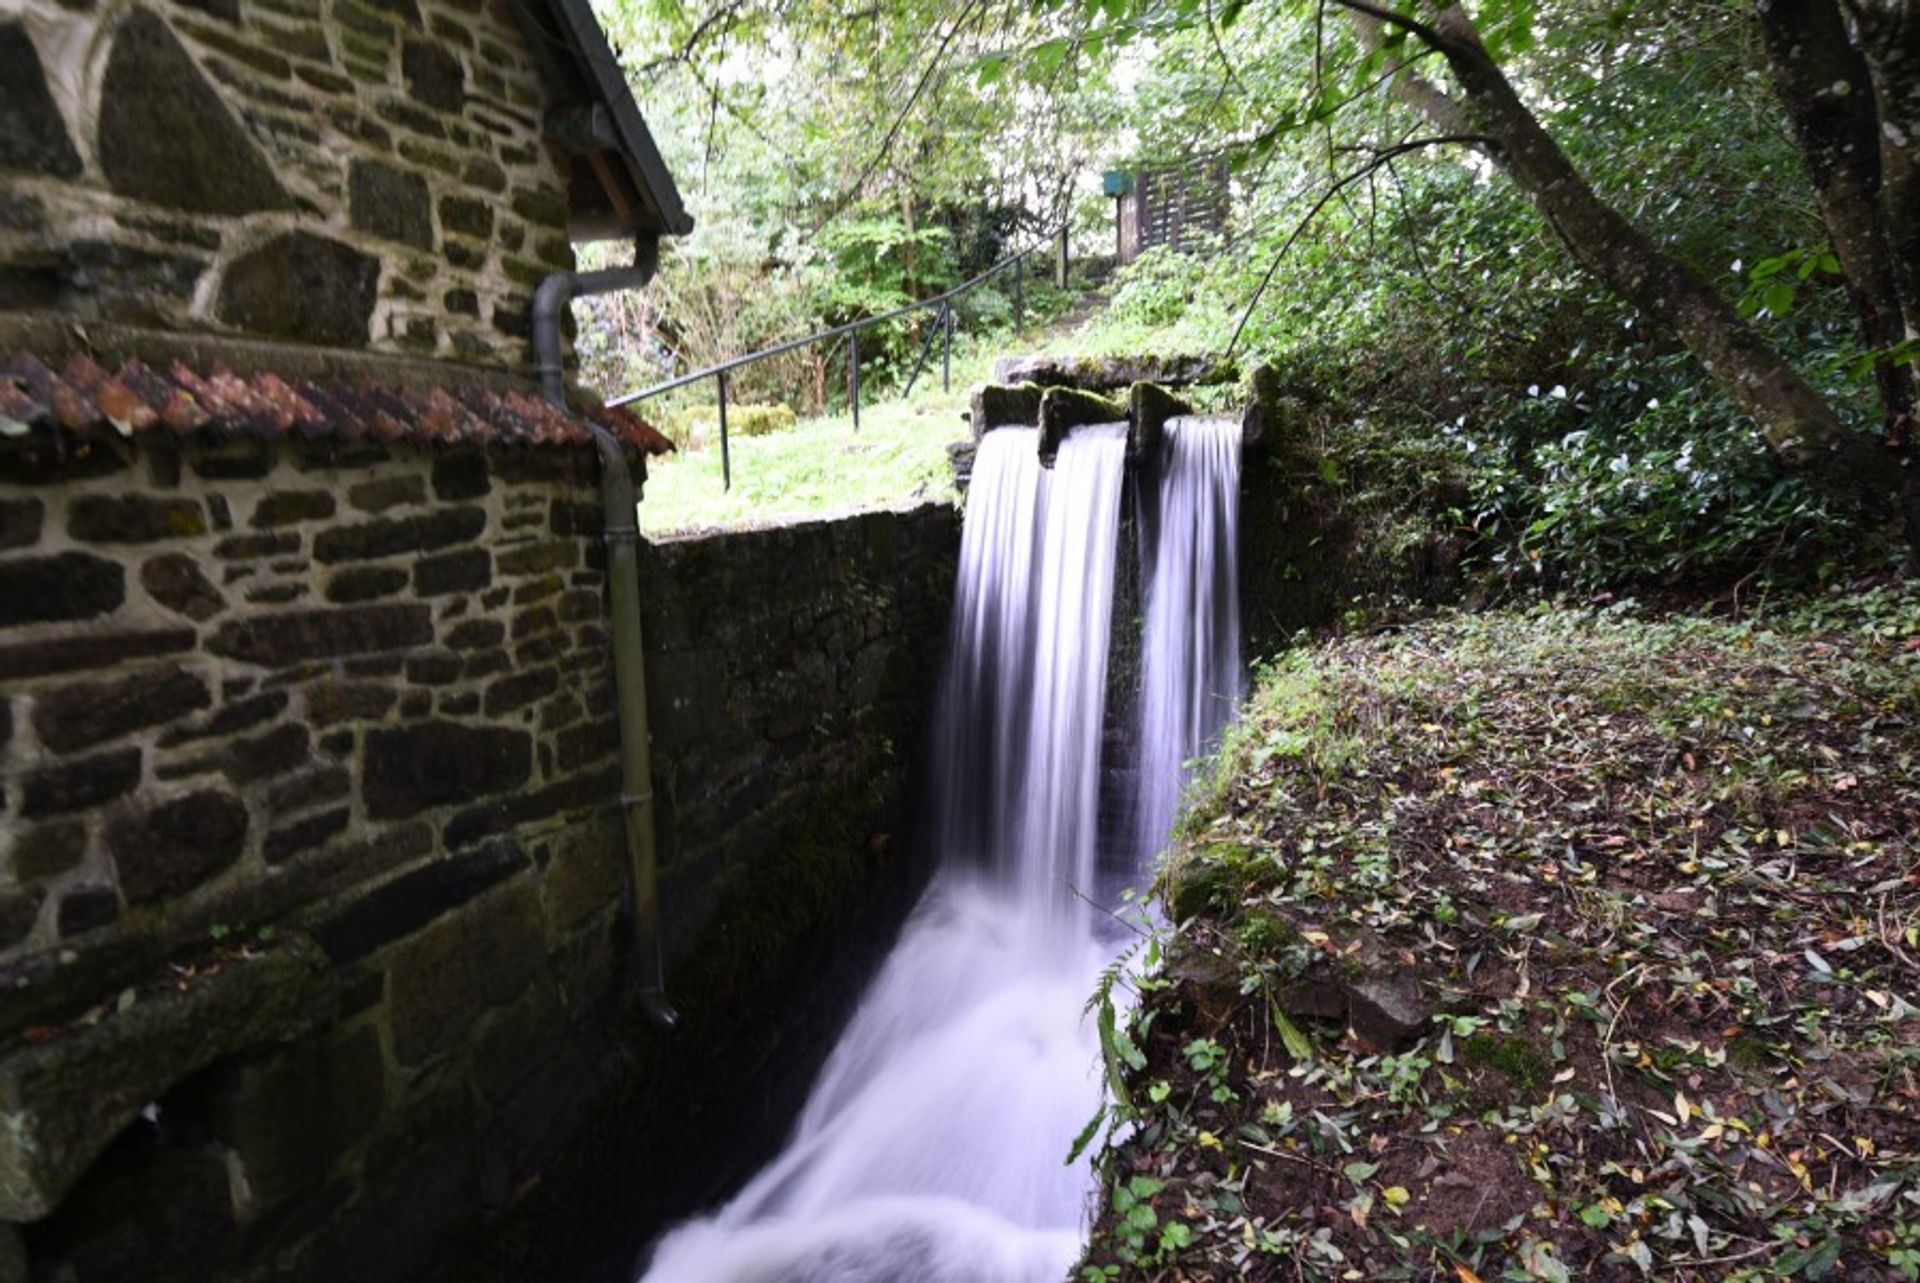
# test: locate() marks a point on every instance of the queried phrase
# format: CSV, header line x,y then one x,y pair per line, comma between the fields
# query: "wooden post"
x,y
1060,263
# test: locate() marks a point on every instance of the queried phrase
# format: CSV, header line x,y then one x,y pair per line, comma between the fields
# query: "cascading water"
x,y
931,1147
1190,671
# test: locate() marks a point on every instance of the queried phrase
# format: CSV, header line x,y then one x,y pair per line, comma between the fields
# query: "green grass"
x,y
822,467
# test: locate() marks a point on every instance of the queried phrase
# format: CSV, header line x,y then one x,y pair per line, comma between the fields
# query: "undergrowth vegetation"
x,y
1545,943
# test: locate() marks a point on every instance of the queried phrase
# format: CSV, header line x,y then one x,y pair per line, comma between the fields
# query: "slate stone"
x,y
73,654
462,571
33,136
48,850
461,476
87,909
434,670
327,784
467,216
237,715
538,559
390,203
441,980
331,702
510,694
20,521
462,302
407,770
404,905
167,137
393,536
387,492
508,813
289,507
588,742
434,75
365,583
248,547
67,585
264,756
282,844
175,580
476,634
133,518
89,713
19,910
177,845
292,637
80,783
304,288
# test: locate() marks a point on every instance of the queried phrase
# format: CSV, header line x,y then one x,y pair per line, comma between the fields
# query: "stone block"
x,y
20,521
483,956
292,637
576,792
391,203
411,769
365,583
98,650
326,784
476,634
539,558
88,713
167,137
434,670
85,909
240,459
175,580
66,585
80,783
287,841
393,536
378,495
434,75
248,547
290,507
133,518
467,216
33,135
465,570
175,846
264,756
64,1100
399,908
509,694
588,742
305,288
48,850
329,702
290,1115
588,873
235,715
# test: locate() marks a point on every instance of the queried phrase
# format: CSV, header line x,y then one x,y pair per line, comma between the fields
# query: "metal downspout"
x,y
622,533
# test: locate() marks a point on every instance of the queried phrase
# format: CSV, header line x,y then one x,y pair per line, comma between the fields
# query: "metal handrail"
x,y
943,325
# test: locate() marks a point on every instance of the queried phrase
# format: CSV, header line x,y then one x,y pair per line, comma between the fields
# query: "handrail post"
x,y
853,375
726,457
946,357
1060,263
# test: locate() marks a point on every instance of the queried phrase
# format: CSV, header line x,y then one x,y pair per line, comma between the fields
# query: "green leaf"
x,y
1291,1038
1085,1138
1778,298
1110,1053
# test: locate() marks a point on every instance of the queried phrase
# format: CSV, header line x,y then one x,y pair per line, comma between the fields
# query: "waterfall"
x,y
931,1147
1190,670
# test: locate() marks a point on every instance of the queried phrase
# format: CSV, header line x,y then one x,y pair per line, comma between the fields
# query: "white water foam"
x,y
932,1146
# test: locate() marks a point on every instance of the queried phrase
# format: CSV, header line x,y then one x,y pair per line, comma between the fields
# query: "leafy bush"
x,y
696,426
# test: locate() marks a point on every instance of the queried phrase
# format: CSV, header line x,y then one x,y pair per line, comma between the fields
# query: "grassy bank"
x,y
1556,943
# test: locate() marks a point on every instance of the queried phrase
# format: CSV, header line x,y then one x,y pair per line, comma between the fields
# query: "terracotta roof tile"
x,y
86,399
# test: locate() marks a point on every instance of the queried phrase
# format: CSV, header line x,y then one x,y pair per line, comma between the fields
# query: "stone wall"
x,y
312,881
357,173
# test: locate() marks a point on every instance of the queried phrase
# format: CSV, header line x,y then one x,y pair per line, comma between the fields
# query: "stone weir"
x,y
1307,553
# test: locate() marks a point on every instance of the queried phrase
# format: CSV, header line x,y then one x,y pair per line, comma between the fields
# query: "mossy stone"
x,y
33,136
302,287
166,135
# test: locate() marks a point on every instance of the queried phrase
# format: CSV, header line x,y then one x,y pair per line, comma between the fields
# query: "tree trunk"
x,y
1853,470
1826,88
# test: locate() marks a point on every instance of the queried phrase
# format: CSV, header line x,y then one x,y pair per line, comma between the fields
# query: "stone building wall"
x,y
312,879
351,173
